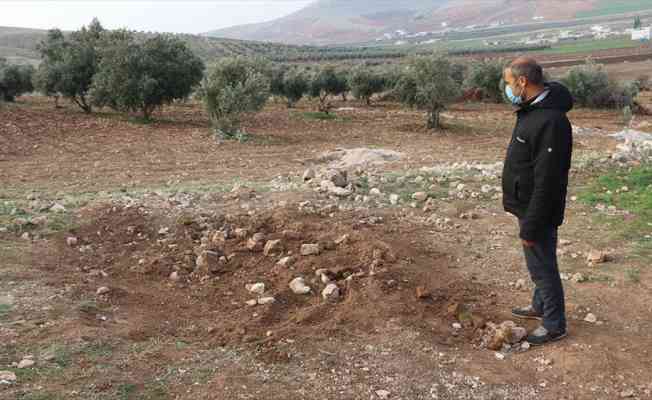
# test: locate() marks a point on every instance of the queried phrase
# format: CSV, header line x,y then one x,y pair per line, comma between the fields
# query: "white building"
x,y
641,34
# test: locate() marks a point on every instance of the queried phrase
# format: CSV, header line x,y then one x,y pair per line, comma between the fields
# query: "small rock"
x,y
254,245
383,394
240,233
520,284
423,293
309,174
342,240
273,247
7,377
266,300
258,288
103,290
420,196
286,261
457,326
525,346
174,276
164,231
298,286
591,318
310,249
627,393
499,356
25,236
209,261
251,302
26,363
331,292
596,257
393,199
375,192
71,241
58,208
578,278
338,178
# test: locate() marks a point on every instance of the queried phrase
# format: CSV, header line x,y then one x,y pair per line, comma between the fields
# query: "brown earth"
x,y
141,197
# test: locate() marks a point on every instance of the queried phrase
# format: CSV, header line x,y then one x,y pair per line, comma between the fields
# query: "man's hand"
x,y
528,243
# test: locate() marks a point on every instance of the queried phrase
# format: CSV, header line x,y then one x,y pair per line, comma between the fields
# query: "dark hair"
x,y
528,68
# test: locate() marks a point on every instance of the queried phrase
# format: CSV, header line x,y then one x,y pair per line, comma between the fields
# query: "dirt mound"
x,y
192,275
351,158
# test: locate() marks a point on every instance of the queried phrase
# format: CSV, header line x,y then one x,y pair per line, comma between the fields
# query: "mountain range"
x,y
329,22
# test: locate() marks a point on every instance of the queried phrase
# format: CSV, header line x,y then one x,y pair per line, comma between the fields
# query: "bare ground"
x,y
150,337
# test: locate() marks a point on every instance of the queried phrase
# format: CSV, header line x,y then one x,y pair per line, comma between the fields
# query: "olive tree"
x,y
47,78
486,76
324,83
142,76
428,84
365,83
15,80
290,84
233,88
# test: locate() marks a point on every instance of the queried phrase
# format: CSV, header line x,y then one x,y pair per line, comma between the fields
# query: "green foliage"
x,y
592,87
15,80
292,84
428,84
364,83
69,65
134,76
324,83
233,88
637,22
487,76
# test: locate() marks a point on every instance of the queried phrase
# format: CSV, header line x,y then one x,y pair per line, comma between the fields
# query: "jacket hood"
x,y
558,98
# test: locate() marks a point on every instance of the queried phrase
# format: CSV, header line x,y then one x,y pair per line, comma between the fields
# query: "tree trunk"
x,y
56,101
434,119
344,97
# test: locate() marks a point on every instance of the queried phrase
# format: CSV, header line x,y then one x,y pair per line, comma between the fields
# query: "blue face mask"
x,y
516,100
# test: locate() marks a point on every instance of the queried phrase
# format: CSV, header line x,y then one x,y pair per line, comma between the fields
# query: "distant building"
x,y
641,34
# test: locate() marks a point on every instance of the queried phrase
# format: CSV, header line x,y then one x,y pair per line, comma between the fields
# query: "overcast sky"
x,y
191,16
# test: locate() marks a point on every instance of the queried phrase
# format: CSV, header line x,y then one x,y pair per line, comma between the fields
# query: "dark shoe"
x,y
526,313
541,336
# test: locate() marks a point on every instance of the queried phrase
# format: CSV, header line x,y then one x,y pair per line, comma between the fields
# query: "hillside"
x,y
327,22
19,45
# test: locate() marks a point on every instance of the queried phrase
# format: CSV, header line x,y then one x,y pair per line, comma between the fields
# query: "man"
x,y
535,181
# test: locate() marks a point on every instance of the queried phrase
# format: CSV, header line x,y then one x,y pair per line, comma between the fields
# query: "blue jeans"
x,y
548,297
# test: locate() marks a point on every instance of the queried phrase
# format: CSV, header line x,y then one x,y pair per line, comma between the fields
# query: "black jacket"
x,y
535,175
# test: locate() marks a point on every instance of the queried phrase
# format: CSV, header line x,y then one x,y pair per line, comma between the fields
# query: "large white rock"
x,y
298,286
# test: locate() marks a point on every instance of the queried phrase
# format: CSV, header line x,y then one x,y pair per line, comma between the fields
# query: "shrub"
x,y
428,84
486,76
291,85
591,87
234,87
135,76
48,75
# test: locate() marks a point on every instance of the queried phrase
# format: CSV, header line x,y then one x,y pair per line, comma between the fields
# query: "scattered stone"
x,y
209,262
266,300
309,175
58,208
420,196
578,278
394,199
254,245
298,286
286,261
273,247
258,288
520,284
499,356
496,336
596,257
565,242
525,346
25,236
240,233
375,192
251,302
457,326
174,276
71,241
338,177
102,290
342,240
383,394
591,318
627,393
164,231
423,293
310,249
331,292
26,363
7,377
